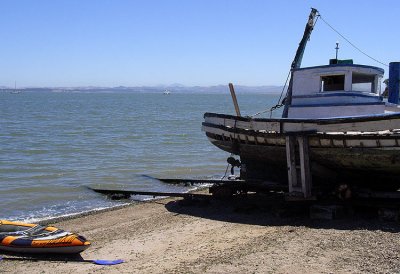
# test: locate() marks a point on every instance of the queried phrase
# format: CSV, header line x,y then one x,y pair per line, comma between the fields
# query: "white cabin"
x,y
336,90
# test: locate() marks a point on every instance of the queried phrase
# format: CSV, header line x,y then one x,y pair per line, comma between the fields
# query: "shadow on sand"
x,y
274,211
15,256
61,258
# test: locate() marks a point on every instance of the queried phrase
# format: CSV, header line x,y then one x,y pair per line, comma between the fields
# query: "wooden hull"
x,y
375,123
369,158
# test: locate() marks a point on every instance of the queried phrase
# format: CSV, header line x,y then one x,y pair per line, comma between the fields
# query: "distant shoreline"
x,y
151,89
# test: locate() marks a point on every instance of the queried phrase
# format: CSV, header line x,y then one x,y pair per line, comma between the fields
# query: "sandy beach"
x,y
168,236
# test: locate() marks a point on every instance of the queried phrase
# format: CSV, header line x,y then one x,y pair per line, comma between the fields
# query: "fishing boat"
x,y
166,92
336,128
22,237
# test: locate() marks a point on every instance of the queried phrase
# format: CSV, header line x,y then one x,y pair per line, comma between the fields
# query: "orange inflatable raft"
x,y
33,238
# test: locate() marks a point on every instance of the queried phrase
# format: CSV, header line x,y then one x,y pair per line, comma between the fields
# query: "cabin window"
x,y
332,83
363,82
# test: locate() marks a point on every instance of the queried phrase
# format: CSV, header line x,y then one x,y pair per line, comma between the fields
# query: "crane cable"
x,y
348,41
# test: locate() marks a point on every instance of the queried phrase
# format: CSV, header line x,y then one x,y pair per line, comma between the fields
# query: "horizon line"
x,y
137,86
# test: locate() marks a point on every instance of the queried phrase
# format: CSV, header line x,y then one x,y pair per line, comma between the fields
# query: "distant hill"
x,y
176,88
225,88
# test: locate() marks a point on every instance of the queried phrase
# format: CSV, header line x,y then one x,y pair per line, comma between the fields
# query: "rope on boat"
x,y
226,170
348,41
279,104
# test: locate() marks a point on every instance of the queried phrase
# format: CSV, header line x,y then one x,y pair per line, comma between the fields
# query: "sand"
x,y
167,236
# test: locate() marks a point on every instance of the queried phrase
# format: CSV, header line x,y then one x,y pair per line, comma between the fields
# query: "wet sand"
x,y
168,236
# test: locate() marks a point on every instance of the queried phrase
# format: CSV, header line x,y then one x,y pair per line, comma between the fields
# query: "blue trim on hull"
x,y
338,94
339,105
382,71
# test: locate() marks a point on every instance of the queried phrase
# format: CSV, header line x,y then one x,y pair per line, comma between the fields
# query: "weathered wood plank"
x,y
305,165
291,163
235,103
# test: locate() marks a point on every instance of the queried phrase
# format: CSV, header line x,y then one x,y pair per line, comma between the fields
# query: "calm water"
x,y
54,144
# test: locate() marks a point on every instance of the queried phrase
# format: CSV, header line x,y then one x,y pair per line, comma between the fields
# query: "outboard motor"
x,y
394,82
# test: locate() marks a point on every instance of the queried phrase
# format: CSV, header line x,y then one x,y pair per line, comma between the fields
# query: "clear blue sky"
x,y
191,42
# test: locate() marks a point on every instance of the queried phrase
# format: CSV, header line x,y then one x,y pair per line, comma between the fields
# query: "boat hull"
x,y
369,159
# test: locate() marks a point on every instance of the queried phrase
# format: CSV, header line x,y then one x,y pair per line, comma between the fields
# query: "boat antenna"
x,y
312,20
337,49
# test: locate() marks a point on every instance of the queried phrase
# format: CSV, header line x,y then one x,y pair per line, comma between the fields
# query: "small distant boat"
x,y
15,91
33,238
167,92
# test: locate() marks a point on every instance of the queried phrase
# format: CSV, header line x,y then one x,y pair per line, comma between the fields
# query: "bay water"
x,y
55,144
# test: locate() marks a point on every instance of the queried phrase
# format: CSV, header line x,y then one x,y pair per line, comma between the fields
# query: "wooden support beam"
x,y
291,163
305,165
298,165
235,103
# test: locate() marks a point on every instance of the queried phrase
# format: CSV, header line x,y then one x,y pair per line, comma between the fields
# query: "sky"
x,y
108,43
